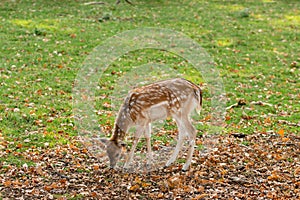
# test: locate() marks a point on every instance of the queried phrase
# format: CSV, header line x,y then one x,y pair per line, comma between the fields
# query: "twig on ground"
x,y
260,103
241,102
239,135
286,144
288,123
94,3
127,1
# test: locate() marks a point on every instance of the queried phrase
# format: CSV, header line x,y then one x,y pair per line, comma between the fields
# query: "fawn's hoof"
x,y
185,168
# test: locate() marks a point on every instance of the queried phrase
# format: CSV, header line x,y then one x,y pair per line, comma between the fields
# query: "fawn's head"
x,y
113,150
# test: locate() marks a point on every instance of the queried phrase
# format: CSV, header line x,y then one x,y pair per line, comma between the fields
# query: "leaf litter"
x,y
257,166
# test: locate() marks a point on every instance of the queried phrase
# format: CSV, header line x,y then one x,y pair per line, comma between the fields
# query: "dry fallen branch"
x,y
241,102
286,144
94,3
127,1
101,2
288,123
260,103
238,135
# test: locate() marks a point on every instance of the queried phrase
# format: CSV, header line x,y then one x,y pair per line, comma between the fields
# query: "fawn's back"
x,y
162,99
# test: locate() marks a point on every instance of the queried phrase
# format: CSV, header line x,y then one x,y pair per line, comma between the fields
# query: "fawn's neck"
x,y
122,124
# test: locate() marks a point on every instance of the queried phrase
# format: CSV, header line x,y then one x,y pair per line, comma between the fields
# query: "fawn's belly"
x,y
158,111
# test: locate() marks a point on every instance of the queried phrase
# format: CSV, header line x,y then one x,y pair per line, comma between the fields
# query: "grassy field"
x,y
255,45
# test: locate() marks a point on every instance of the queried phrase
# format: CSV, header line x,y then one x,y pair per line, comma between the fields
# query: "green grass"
x,y
43,44
14,159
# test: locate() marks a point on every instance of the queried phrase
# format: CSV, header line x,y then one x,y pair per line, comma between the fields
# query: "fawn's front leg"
x,y
181,137
138,133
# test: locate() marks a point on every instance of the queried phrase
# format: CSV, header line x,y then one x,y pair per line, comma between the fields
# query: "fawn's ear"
x,y
122,144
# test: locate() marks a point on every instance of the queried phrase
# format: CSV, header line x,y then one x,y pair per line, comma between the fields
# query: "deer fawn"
x,y
175,98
